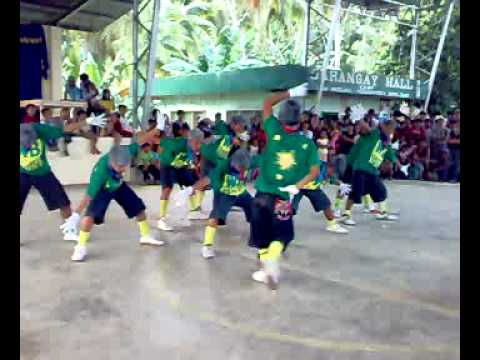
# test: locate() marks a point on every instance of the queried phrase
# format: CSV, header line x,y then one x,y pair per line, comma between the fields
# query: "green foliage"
x,y
198,36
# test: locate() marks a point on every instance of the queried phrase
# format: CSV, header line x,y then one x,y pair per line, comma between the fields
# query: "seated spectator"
x,y
122,110
31,114
146,164
416,133
114,128
421,161
81,115
107,101
90,93
453,143
72,91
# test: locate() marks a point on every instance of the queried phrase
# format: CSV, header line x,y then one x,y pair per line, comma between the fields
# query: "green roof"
x,y
247,80
284,77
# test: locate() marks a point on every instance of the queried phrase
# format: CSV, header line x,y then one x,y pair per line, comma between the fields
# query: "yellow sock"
x,y
200,195
382,206
263,254
144,228
83,238
348,212
332,222
163,208
338,203
209,236
367,200
193,202
275,250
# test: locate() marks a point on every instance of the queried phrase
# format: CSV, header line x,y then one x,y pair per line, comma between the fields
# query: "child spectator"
x,y
306,129
146,163
72,91
322,144
31,115
122,110
107,101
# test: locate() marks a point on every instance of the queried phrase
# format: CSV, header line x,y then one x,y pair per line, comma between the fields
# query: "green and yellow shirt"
x,y
34,161
287,159
218,149
103,177
145,158
372,152
174,152
225,181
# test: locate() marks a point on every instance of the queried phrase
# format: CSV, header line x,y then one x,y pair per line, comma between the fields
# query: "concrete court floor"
x,y
386,291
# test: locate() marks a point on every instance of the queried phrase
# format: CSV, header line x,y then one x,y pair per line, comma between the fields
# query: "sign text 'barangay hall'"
x,y
379,85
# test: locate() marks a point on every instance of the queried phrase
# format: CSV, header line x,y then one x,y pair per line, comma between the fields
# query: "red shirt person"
x,y
32,115
416,133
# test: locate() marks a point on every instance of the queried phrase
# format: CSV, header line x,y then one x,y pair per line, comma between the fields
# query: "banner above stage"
x,y
353,83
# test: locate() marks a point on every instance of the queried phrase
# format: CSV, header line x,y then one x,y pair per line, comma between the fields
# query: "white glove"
x,y
244,136
404,169
396,145
100,120
291,189
345,189
358,112
299,91
71,224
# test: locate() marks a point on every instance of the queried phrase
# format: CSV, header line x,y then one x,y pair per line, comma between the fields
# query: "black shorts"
x,y
364,183
186,177
124,196
48,186
318,199
222,204
347,175
206,167
170,176
272,220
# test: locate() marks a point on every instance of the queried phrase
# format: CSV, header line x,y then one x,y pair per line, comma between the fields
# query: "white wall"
x,y
76,168
222,103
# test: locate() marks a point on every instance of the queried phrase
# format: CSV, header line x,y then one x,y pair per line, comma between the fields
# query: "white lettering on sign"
x,y
398,83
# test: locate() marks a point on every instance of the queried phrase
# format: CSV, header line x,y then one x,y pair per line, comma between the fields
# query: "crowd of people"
x,y
427,145
289,156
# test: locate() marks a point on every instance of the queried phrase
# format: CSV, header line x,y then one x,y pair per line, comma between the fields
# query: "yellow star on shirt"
x,y
286,160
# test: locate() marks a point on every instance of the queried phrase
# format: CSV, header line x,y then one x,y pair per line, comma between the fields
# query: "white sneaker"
x,y
260,276
70,236
272,270
148,240
386,216
349,221
337,213
197,215
208,252
162,225
337,229
79,253
369,209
